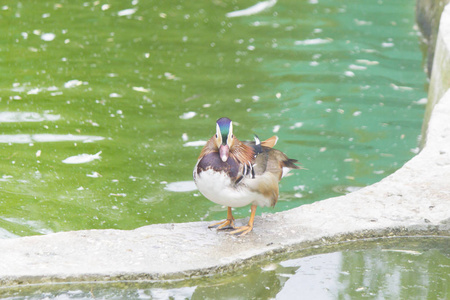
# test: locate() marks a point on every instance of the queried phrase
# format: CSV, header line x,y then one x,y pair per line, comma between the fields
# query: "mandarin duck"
x,y
235,174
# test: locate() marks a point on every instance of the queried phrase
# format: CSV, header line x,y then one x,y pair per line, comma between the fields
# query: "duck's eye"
x,y
216,136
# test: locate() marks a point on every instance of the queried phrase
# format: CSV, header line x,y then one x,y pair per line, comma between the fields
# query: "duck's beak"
x,y
224,152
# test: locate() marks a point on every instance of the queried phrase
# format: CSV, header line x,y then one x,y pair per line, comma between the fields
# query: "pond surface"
x,y
104,105
397,268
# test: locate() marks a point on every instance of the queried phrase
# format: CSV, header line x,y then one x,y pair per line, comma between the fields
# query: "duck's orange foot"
x,y
227,224
242,230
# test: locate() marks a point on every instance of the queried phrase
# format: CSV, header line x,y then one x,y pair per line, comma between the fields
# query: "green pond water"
x,y
397,268
138,86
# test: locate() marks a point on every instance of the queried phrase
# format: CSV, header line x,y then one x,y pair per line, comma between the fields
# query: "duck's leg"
x,y
243,230
228,223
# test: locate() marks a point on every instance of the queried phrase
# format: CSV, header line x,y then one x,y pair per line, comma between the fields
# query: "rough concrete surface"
x,y
414,200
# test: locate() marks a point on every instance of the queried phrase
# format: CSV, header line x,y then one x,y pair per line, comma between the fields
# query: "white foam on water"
x,y
252,10
317,41
194,144
127,12
82,158
188,115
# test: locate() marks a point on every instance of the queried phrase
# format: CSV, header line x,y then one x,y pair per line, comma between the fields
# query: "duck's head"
x,y
224,137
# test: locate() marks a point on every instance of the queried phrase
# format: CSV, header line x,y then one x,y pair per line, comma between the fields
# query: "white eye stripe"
x,y
230,134
218,134
217,129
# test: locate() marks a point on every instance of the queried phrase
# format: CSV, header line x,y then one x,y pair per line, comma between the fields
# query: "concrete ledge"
x,y
428,15
440,76
415,200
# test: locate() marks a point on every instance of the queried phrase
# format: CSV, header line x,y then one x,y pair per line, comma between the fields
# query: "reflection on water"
x,y
143,82
38,226
7,116
316,277
46,138
405,268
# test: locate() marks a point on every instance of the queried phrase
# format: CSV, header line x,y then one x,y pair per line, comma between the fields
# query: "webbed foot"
x,y
242,230
226,224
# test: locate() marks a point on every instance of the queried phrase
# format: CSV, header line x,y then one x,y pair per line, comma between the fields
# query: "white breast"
x,y
217,187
